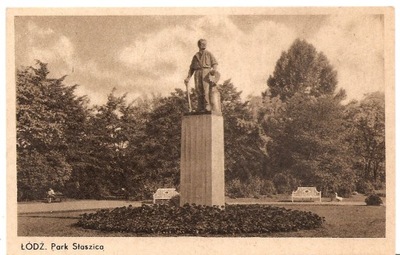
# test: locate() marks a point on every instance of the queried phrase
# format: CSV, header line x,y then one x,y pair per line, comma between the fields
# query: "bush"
x,y
345,191
379,185
175,200
284,183
373,199
364,187
268,188
253,187
381,194
234,189
256,187
197,220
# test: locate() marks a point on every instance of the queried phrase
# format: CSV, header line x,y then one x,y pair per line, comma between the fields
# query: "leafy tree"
x,y
366,125
303,117
302,69
105,142
308,143
112,148
47,121
39,124
158,154
134,120
244,140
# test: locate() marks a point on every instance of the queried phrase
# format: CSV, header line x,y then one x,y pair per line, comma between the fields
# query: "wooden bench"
x,y
309,193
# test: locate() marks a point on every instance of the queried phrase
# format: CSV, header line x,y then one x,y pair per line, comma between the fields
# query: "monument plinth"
x,y
202,160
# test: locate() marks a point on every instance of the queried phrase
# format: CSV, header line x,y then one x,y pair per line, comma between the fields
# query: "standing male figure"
x,y
203,64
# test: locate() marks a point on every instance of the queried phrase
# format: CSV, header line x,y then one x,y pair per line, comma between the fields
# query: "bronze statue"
x,y
204,67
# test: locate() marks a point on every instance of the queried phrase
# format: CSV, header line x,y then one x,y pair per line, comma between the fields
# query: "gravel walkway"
x,y
72,205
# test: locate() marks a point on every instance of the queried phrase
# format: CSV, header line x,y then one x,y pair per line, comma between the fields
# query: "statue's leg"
x,y
198,80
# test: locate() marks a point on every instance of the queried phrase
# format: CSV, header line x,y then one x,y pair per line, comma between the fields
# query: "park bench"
x,y
57,197
308,193
162,196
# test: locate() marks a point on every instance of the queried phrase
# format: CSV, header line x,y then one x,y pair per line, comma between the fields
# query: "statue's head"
x,y
202,43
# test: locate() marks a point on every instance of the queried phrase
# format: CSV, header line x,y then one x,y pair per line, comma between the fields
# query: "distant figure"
x,y
50,195
125,193
202,65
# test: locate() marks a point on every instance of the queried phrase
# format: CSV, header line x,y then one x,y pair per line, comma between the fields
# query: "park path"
x,y
353,203
86,205
72,205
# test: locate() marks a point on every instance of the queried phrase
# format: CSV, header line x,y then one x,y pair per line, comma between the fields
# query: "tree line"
x,y
298,132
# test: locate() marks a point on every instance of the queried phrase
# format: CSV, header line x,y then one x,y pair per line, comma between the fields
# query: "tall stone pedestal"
x,y
202,160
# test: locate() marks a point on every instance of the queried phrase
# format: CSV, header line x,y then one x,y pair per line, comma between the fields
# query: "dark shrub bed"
x,y
200,220
373,199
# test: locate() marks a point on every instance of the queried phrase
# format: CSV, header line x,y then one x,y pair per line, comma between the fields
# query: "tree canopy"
x,y
297,132
302,69
49,119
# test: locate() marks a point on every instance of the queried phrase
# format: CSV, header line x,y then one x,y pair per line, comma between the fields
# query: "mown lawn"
x,y
341,222
344,222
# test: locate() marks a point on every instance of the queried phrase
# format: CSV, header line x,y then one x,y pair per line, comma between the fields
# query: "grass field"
x,y
344,222
341,222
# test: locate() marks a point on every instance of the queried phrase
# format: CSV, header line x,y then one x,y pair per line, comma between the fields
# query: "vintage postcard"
x,y
200,131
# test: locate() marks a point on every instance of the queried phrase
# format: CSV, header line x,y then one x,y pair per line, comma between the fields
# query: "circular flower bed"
x,y
200,220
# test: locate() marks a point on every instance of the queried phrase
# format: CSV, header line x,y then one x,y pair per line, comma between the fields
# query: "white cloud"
x,y
158,62
249,58
33,29
148,52
47,46
92,68
354,45
246,57
57,50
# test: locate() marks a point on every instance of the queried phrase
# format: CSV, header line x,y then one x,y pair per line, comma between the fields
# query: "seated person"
x,y
50,195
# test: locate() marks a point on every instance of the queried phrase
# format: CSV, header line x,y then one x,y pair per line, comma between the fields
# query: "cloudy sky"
x,y
149,54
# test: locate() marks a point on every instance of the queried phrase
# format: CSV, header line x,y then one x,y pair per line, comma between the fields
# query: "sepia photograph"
x,y
200,130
